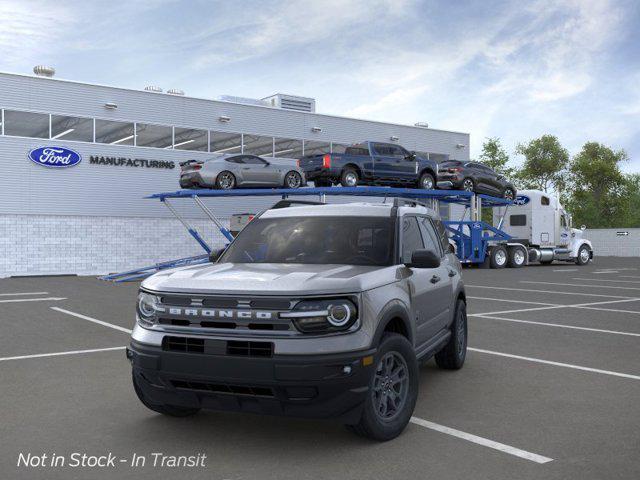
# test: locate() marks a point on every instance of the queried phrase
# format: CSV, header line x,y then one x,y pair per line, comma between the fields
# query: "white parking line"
x,y
485,442
606,271
94,320
559,325
580,285
567,270
556,364
47,299
575,305
23,293
530,290
629,276
57,354
605,280
511,301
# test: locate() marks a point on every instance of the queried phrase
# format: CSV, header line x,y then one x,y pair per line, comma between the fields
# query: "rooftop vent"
x,y
44,71
153,88
422,124
243,100
291,102
175,91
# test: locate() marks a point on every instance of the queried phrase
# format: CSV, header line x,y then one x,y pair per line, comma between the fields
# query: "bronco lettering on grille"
x,y
216,313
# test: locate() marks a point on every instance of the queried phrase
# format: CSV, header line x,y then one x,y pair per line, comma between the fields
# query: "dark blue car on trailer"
x,y
371,163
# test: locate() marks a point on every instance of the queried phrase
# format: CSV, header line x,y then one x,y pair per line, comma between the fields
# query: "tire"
x,y
170,410
396,351
468,185
349,178
292,180
322,183
225,180
498,257
427,182
584,255
517,257
508,194
452,356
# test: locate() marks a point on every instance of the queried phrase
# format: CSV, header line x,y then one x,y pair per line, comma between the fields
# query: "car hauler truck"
x,y
539,223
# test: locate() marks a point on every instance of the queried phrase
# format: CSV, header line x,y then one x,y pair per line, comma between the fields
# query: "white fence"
x,y
615,242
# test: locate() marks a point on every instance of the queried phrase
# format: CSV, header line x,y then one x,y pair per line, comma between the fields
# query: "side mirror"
x,y
583,227
411,157
215,255
424,259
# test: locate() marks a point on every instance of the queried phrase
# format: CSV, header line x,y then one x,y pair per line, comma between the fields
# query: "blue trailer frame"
x,y
472,237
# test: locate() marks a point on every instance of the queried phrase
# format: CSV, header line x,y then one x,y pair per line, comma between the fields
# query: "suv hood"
x,y
271,279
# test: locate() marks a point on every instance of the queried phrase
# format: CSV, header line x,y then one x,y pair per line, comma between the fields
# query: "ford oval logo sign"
x,y
55,157
521,200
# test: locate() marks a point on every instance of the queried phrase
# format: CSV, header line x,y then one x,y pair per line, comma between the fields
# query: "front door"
x,y
257,171
391,164
427,286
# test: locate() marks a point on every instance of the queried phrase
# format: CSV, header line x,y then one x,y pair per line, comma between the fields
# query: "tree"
x,y
600,193
495,156
545,164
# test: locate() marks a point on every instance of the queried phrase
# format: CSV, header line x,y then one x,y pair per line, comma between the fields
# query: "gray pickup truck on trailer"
x,y
318,311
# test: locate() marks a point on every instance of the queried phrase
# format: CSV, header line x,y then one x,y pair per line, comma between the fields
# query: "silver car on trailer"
x,y
241,170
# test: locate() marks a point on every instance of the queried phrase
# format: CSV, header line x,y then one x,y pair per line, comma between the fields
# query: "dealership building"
x,y
92,216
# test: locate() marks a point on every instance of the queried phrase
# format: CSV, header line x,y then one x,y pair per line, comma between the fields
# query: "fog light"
x,y
346,369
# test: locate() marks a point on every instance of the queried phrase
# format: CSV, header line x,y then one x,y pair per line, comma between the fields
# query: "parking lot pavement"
x,y
550,389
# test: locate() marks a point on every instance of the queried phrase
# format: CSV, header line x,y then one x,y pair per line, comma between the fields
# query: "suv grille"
x,y
217,347
250,349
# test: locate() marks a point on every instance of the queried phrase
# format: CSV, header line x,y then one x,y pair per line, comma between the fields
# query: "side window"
x,y
253,160
431,241
397,151
235,159
381,149
442,234
518,220
544,201
411,238
563,221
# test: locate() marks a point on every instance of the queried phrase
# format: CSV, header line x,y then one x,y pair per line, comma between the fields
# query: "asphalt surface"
x,y
551,389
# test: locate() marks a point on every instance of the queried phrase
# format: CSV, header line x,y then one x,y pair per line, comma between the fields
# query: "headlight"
x,y
323,316
147,308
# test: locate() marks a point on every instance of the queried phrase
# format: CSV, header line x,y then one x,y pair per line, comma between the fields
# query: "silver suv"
x,y
318,311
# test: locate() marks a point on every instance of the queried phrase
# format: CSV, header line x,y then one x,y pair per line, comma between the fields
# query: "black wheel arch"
x,y
430,171
354,167
394,317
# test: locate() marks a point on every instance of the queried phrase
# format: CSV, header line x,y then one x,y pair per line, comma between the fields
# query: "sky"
x,y
509,69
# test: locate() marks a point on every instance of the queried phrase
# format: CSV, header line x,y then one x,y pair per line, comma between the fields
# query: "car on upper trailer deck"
x,y
371,163
475,177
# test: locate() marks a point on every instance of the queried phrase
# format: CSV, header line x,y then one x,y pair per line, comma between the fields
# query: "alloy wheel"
x,y
226,181
427,182
351,179
390,386
467,185
293,180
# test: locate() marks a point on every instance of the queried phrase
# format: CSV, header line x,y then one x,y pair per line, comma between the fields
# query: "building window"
x,y
190,139
338,147
222,142
114,133
287,148
157,136
26,124
258,145
71,128
316,148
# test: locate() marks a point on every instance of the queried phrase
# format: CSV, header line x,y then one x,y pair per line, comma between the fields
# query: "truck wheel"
x,y
170,410
349,178
393,390
498,257
452,356
427,182
584,255
517,257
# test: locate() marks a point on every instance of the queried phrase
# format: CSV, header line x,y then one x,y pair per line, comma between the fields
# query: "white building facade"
x,y
92,217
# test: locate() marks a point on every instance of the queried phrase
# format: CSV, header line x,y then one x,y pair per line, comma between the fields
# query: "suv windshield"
x,y
315,240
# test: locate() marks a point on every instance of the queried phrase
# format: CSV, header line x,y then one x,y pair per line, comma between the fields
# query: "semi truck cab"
x,y
538,221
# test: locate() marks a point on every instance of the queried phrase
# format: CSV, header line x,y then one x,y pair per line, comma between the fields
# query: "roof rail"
x,y
286,203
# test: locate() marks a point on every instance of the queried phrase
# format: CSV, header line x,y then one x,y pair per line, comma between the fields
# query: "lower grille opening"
x,y
250,349
254,391
183,344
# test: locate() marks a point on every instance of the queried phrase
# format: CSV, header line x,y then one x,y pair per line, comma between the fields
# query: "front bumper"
x,y
314,386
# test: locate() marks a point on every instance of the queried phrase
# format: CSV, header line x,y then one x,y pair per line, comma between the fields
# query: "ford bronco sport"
x,y
320,311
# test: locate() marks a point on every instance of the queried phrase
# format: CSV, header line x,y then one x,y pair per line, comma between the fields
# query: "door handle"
x,y
435,279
